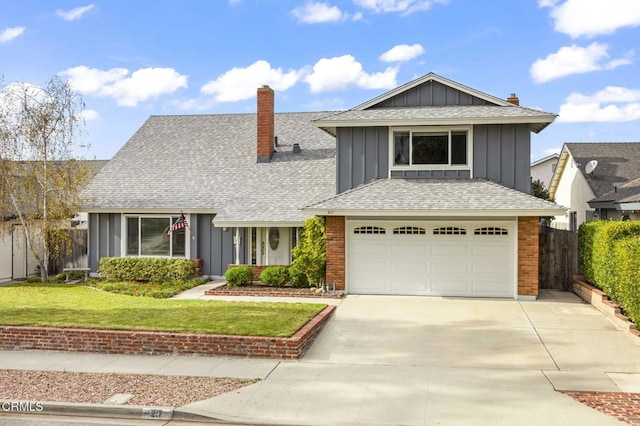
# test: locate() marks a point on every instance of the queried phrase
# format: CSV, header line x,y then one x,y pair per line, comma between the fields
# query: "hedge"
x,y
239,275
275,276
144,269
610,260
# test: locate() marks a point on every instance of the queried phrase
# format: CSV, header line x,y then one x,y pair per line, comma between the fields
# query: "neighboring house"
x,y
16,259
610,191
544,168
425,190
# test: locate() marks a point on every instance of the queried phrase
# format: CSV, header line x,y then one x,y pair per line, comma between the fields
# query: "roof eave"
x,y
437,212
537,123
146,210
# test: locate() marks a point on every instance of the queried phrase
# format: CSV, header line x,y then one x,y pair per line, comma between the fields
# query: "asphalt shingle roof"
x,y
461,113
618,163
473,195
208,162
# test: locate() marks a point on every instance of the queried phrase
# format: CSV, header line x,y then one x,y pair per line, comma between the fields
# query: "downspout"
x,y
237,241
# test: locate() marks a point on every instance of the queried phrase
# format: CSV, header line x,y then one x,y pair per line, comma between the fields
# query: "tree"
x,y
539,190
310,253
39,178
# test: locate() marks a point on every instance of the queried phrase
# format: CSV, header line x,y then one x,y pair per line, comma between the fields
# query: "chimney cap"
x,y
513,99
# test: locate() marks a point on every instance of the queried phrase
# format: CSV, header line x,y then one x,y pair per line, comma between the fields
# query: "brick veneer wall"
x,y
162,343
528,256
335,251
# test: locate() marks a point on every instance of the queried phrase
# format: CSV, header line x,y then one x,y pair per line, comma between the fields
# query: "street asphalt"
x,y
385,360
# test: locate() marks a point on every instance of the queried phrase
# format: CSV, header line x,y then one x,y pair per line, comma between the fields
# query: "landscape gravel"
x,y
97,388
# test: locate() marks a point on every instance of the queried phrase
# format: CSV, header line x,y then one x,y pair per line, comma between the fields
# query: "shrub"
x,y
297,278
610,260
144,269
310,253
238,275
275,276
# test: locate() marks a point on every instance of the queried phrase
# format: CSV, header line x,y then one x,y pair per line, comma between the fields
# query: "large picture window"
x,y
147,236
447,147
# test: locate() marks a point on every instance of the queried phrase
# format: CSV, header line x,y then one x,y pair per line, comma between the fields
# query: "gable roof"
x,y
431,77
432,197
553,157
207,164
626,197
489,110
618,163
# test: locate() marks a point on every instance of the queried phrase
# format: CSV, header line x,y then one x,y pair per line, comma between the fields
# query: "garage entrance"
x,y
452,258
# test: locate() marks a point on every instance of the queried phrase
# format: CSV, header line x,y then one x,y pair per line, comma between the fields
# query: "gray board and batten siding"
x,y
213,245
501,153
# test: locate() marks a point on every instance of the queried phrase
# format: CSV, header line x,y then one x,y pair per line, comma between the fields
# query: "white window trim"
x,y
123,242
468,166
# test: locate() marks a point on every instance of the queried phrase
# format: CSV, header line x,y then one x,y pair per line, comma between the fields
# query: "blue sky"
x,y
132,59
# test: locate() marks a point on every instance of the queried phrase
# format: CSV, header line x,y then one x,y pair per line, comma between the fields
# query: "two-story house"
x,y
425,190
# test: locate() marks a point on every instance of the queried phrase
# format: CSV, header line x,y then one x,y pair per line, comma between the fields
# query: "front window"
x,y
447,147
149,236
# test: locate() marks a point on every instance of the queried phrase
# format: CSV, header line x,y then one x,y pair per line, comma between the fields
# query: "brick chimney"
x,y
513,99
266,132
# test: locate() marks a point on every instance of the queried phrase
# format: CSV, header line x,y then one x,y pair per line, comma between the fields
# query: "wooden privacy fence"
x,y
72,256
558,261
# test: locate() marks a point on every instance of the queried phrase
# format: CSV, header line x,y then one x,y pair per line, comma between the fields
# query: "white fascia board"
x,y
434,122
431,213
148,211
557,175
628,206
237,224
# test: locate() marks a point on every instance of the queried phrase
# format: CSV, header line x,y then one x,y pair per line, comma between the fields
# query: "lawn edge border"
x,y
126,342
600,300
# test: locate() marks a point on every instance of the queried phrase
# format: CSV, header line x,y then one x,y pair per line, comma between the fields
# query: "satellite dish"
x,y
591,166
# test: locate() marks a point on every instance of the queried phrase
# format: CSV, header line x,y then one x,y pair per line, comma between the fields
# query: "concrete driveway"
x,y
557,332
444,361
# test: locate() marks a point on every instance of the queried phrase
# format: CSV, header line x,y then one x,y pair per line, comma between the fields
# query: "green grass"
x,y
158,290
60,305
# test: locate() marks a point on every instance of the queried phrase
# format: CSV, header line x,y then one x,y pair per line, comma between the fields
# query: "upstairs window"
x,y
431,148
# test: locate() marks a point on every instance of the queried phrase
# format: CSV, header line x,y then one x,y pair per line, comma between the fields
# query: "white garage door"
x,y
455,258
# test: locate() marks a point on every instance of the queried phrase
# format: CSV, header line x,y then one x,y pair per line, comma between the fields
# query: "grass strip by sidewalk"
x,y
69,306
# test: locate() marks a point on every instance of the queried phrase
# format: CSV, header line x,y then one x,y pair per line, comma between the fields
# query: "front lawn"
x,y
83,307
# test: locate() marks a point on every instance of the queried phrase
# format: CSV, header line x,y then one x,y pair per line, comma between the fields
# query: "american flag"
x,y
180,223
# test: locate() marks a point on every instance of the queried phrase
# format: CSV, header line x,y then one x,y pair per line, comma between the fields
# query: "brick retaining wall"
x,y
163,343
601,302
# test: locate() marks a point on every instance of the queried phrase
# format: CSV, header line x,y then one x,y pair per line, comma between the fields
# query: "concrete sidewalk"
x,y
410,361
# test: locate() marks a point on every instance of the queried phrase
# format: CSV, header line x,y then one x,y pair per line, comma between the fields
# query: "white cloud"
x,y
405,7
89,114
574,60
127,90
611,104
11,33
73,14
341,72
315,13
402,53
241,83
592,17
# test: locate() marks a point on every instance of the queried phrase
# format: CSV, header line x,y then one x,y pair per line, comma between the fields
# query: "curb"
x,y
100,411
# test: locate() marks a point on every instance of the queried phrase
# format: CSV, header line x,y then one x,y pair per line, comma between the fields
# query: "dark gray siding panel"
x,y
501,153
115,235
93,241
431,94
363,155
215,246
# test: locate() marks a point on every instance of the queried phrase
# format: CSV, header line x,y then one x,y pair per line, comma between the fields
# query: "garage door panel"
x,y
493,250
408,286
490,286
450,287
447,265
437,261
440,249
409,268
